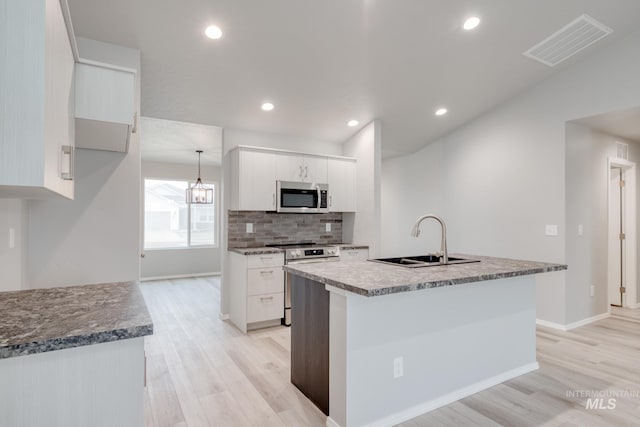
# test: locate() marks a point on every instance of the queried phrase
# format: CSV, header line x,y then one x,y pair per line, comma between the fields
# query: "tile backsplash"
x,y
271,227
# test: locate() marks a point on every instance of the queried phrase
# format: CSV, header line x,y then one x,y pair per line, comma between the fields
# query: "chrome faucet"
x,y
415,232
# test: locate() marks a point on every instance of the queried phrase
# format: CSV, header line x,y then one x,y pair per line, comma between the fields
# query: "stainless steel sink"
x,y
431,260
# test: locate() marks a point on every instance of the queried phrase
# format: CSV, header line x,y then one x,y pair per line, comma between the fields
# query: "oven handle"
x,y
309,261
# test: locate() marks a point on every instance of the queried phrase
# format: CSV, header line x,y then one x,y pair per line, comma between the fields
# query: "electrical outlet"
x,y
327,226
593,290
249,227
398,369
12,238
580,230
551,230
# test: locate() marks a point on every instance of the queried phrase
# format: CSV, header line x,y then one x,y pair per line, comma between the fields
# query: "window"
x,y
169,222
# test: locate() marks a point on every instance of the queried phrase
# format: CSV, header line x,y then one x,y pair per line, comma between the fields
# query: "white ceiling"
x,y
168,141
624,124
324,62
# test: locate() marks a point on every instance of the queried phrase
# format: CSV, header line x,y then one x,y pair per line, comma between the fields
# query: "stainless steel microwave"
x,y
302,197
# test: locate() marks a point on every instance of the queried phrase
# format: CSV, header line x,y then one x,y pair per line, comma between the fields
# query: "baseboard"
x,y
446,399
573,325
552,325
634,306
331,423
179,276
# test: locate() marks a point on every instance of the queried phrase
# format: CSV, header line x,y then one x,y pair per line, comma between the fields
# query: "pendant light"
x,y
199,193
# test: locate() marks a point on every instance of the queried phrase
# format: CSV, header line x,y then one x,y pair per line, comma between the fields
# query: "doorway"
x,y
621,277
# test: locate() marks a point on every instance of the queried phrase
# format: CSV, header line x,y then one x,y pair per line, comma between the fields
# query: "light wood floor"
x,y
202,371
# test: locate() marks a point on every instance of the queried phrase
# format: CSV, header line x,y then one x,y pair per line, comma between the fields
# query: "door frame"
x,y
630,268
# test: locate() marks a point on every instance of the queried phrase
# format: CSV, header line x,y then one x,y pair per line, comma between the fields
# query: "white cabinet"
x,y
359,254
342,185
301,168
256,290
253,180
105,112
37,102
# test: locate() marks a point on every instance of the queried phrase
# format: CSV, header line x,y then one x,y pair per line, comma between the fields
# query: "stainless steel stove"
x,y
303,253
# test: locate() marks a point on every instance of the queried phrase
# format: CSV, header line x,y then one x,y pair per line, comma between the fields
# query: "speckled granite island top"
x,y
41,320
374,279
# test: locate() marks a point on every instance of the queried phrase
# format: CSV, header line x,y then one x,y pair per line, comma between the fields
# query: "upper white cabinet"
x,y
36,101
253,180
253,172
342,185
105,112
301,168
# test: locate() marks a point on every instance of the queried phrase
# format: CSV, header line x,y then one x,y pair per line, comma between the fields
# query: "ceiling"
x,y
325,62
168,141
624,124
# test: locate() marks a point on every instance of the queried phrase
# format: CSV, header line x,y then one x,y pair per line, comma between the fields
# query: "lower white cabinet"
x,y
256,290
354,254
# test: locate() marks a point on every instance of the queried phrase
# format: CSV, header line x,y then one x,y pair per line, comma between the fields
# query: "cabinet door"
x,y
290,167
315,169
342,185
59,105
257,176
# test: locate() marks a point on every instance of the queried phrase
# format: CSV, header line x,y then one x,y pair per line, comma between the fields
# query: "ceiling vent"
x,y
571,39
623,150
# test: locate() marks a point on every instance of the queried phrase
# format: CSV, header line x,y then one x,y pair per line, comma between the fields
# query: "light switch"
x,y
12,238
328,226
249,227
580,230
551,230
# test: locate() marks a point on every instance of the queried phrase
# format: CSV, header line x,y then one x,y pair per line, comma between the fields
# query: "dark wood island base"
x,y
310,340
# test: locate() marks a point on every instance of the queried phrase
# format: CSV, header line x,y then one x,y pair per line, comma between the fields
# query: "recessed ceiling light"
x,y
353,123
267,106
441,111
471,23
213,32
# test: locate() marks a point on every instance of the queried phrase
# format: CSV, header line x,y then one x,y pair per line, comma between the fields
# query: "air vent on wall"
x,y
571,39
623,150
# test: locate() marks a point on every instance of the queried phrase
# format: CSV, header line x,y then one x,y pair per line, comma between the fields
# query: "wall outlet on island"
x,y
327,226
249,227
398,369
551,230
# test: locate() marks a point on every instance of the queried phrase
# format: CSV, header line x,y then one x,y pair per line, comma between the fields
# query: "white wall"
x,y
363,226
586,204
184,261
501,177
96,237
13,262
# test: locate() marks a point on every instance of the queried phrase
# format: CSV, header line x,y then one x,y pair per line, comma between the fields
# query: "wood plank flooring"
x,y
202,371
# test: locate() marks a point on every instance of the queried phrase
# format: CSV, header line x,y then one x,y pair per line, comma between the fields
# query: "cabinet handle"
x,y
274,199
330,201
266,258
135,123
264,272
306,171
300,174
67,155
266,298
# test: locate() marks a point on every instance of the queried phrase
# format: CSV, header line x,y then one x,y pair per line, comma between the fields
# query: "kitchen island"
x,y
73,356
374,344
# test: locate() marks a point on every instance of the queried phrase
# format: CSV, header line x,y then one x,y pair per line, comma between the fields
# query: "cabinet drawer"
x,y
265,280
266,260
265,307
354,255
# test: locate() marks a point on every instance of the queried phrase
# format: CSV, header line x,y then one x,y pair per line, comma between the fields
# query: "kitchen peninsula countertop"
x,y
375,279
41,320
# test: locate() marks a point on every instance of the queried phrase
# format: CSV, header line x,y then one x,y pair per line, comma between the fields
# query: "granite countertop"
x,y
374,279
256,251
41,320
